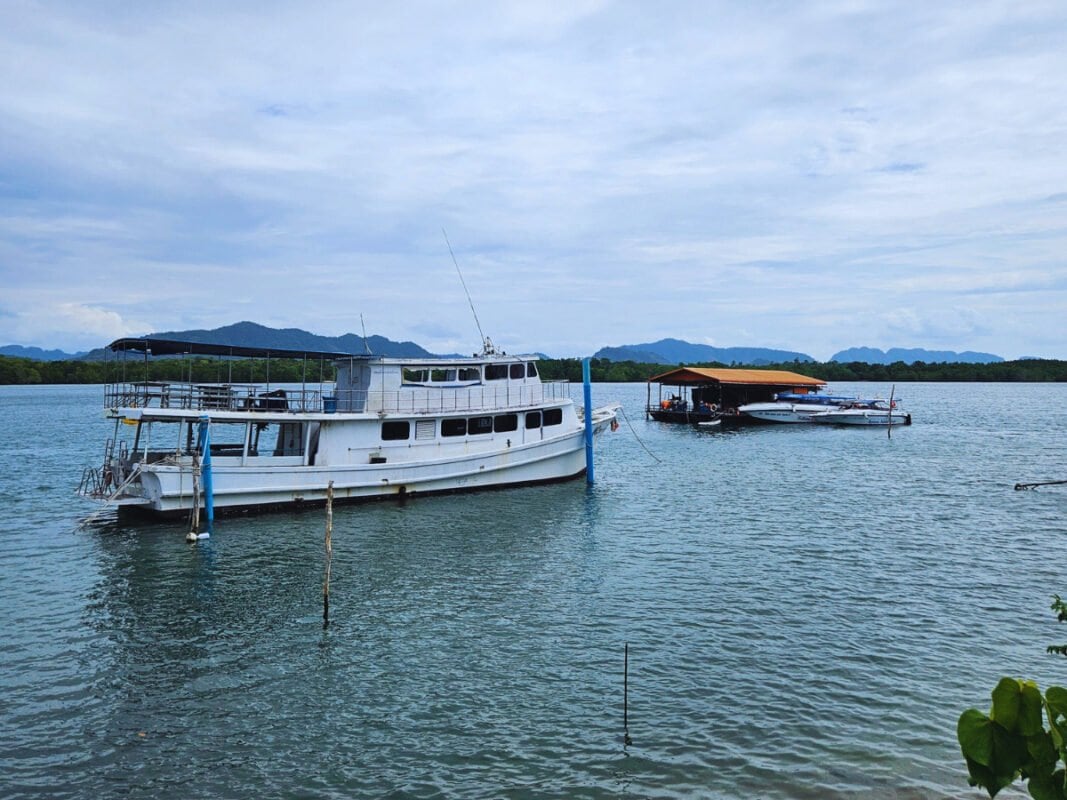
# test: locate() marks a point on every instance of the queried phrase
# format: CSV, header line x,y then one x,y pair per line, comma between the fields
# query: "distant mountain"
x,y
251,334
36,353
872,355
677,351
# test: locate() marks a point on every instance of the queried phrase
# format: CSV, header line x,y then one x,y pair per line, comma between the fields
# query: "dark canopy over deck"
x,y
174,347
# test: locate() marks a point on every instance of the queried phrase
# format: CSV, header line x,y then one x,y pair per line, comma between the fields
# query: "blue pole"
x,y
205,469
587,388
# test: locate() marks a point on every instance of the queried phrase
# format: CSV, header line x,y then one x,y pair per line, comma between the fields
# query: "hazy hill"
x,y
36,353
872,355
676,351
251,334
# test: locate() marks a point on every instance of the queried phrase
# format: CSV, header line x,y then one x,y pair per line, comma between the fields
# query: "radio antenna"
x,y
364,326
487,346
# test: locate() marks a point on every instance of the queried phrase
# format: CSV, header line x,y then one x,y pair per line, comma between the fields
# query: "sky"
x,y
808,176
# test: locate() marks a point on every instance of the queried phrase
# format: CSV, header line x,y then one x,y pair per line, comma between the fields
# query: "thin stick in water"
x,y
329,556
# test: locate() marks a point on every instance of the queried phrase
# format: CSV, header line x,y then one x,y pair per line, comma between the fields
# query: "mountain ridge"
x,y
667,351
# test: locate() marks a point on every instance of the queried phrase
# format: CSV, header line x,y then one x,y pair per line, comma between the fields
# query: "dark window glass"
x,y
496,372
518,371
477,425
553,416
416,375
531,369
454,427
469,374
505,423
392,431
533,419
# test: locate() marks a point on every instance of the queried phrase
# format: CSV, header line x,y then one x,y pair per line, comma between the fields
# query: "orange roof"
x,y
762,377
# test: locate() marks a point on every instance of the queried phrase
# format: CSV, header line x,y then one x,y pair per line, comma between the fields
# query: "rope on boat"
x,y
638,438
1022,486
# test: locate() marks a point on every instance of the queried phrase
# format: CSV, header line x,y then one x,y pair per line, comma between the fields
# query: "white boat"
x,y
791,407
873,412
385,427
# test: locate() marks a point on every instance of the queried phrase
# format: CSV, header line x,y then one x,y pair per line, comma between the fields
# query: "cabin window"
x,y
454,427
415,375
442,375
479,425
275,439
518,371
531,369
496,372
533,420
469,374
394,431
227,438
553,416
505,423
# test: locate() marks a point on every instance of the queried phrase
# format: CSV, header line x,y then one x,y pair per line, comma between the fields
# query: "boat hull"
x,y
168,489
785,413
862,417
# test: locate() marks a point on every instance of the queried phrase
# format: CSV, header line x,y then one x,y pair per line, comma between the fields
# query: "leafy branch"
x,y
1011,742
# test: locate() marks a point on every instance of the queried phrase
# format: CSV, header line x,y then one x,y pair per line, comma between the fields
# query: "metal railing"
x,y
260,398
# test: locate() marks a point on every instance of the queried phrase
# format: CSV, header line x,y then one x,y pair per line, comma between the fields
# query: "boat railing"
x,y
320,398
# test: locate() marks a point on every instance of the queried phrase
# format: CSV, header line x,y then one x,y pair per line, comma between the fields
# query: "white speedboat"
x,y
873,412
385,427
791,407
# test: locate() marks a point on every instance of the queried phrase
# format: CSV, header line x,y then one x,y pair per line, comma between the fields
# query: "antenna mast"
x,y
487,346
363,325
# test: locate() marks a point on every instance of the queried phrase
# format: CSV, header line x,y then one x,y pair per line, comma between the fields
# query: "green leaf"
x,y
1047,787
1006,702
1042,751
975,734
1031,706
1056,697
1010,755
982,776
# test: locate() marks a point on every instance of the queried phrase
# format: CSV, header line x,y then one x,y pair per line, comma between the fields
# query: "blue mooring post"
x,y
205,469
588,391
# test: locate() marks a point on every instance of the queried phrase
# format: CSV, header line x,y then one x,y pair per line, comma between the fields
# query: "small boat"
x,y
872,412
383,427
792,407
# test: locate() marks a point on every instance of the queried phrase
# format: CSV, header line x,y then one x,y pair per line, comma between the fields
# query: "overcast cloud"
x,y
808,176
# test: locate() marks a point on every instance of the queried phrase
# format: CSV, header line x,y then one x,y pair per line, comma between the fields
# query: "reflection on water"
x,y
808,611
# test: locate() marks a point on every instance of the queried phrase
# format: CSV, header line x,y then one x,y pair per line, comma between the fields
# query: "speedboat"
x,y
792,407
381,427
871,412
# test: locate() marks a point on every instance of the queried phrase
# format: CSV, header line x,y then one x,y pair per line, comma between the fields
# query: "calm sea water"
x,y
808,611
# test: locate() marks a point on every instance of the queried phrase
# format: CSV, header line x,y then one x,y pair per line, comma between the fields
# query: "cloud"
x,y
607,171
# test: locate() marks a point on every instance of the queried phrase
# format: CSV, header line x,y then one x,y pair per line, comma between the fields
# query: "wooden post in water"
x,y
889,429
329,556
625,695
